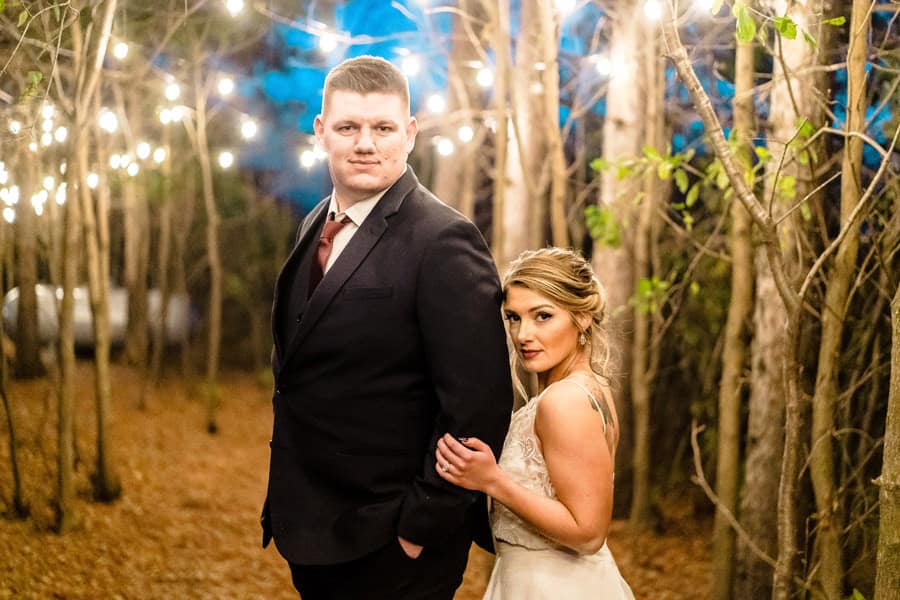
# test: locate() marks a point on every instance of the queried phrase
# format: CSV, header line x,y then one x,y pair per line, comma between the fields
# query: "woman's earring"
x,y
582,340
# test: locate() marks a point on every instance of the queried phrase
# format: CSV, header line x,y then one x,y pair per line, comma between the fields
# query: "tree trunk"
x,y
28,362
499,12
555,153
163,253
212,252
887,580
735,344
830,572
107,486
182,229
622,139
641,375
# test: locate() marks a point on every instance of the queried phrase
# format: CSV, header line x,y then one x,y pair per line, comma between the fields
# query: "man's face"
x,y
367,138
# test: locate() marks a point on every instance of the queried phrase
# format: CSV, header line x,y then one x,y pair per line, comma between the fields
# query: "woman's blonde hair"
x,y
565,278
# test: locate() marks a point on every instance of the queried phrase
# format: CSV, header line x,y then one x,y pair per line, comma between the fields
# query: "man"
x,y
387,333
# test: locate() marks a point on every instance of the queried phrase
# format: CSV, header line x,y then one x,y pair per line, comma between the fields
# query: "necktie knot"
x,y
332,227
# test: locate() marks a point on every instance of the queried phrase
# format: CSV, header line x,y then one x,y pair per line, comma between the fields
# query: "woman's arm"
x,y
578,462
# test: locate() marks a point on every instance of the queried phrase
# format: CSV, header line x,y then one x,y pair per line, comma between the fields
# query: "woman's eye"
x,y
512,318
543,316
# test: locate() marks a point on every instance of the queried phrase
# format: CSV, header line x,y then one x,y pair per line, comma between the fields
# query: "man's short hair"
x,y
366,75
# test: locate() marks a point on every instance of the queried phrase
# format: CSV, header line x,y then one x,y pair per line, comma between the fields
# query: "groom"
x,y
387,333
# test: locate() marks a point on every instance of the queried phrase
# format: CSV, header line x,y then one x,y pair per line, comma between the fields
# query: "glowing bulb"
x,y
14,195
165,116
307,159
226,159
134,169
15,127
49,183
120,50
61,134
564,7
115,161
653,10
485,77
9,215
234,6
411,65
93,180
465,134
177,113
46,139
47,125
61,194
602,64
248,129
126,160
445,147
33,146
4,196
327,42
173,91
142,150
226,86
109,122
47,111
62,168
436,103
159,155
4,177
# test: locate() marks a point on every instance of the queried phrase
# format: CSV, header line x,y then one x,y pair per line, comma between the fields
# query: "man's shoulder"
x,y
430,210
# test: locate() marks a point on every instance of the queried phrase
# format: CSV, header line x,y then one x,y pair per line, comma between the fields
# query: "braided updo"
x,y
565,278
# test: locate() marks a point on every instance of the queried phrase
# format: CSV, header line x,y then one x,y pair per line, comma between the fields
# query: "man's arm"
x,y
458,305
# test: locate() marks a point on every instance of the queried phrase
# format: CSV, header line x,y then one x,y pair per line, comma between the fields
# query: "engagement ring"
x,y
445,468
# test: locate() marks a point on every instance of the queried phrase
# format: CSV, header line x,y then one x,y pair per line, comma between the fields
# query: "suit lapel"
x,y
287,276
353,255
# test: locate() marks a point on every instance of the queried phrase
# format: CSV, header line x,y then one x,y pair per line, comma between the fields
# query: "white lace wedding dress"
x,y
530,566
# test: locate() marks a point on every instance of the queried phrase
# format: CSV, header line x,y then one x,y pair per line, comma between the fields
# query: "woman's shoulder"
x,y
572,399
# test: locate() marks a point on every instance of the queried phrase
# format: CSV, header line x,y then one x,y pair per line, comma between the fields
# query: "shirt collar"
x,y
360,210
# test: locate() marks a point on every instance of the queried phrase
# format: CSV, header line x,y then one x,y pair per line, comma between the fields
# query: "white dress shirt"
x,y
357,214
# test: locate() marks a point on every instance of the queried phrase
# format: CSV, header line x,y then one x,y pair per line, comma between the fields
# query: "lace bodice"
x,y
523,460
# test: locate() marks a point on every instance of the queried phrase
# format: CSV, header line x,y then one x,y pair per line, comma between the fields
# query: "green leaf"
x,y
805,128
786,27
803,158
681,180
688,221
809,39
837,21
31,88
23,16
623,171
602,224
664,170
722,180
762,153
804,210
692,195
695,288
2,5
787,186
746,26
600,164
651,153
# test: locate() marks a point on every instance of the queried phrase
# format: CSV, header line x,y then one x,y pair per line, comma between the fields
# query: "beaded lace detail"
x,y
523,460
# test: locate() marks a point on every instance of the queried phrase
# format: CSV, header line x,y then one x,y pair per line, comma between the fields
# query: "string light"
x,y
142,150
62,167
159,155
13,198
173,91
226,159
120,50
49,183
4,195
653,10
61,194
537,88
327,42
108,120
93,180
115,161
47,125
226,86
4,177
33,146
234,6
485,77
125,160
307,159
411,65
564,7
9,215
46,139
61,134
465,134
445,146
15,127
165,116
177,113
248,129
47,111
134,169
436,103
602,64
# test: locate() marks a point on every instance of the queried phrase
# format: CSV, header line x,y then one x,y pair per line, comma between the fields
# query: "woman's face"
x,y
545,335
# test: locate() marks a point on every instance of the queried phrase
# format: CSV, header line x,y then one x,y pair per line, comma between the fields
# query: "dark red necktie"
x,y
326,243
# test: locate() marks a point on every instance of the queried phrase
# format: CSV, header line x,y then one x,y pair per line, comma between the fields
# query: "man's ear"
x,y
412,128
319,128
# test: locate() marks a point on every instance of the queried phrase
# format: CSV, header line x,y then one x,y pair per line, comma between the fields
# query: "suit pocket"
x,y
368,293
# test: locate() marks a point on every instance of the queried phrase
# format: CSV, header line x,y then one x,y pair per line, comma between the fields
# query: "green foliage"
x,y
786,187
23,17
650,294
809,39
602,224
856,595
837,22
786,27
746,26
32,86
2,5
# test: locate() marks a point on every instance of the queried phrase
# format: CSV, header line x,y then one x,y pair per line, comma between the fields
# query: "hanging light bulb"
x,y
93,180
248,129
120,50
173,91
327,42
142,150
307,159
485,77
234,6
226,159
226,86
445,146
436,103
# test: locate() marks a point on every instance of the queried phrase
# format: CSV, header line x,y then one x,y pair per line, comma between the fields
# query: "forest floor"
x,y
187,526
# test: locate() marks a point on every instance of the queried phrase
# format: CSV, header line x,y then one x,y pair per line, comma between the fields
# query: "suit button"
x,y
299,318
278,391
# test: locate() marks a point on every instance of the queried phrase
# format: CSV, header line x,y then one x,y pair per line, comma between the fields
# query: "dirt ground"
x,y
186,525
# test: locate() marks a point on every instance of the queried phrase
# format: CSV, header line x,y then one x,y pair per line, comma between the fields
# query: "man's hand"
x,y
412,550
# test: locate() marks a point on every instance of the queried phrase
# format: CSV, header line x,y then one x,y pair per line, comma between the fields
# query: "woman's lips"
x,y
529,354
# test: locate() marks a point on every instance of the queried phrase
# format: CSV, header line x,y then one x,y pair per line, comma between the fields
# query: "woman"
x,y
553,486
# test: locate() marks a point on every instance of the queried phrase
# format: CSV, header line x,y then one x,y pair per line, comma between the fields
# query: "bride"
x,y
552,490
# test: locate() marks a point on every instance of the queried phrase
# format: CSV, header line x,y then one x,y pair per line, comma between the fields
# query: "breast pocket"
x,y
368,293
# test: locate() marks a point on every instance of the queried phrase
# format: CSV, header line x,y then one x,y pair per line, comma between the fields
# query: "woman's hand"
x,y
467,462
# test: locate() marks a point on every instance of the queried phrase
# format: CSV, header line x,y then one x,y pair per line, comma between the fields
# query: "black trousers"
x,y
388,574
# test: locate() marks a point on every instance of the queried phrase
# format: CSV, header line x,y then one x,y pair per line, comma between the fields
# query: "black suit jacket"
x,y
400,342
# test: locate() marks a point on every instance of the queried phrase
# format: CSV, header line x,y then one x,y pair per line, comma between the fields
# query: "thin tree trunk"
x,y
182,229
212,251
107,486
163,253
735,345
830,572
622,139
28,362
499,12
553,136
887,579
